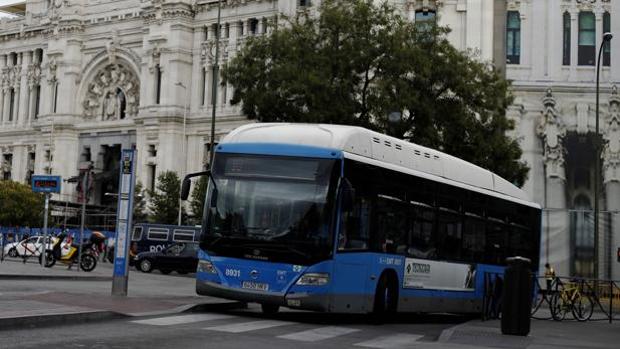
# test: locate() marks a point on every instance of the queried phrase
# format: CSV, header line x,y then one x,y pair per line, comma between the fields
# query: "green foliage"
x,y
19,206
357,62
197,202
164,203
139,204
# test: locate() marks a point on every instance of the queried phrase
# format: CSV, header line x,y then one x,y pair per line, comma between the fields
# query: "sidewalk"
x,y
31,295
543,334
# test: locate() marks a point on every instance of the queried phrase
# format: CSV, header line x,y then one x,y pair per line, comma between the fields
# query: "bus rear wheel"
x,y
386,296
269,309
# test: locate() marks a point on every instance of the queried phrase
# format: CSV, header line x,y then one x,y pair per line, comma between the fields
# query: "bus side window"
x,y
355,226
422,242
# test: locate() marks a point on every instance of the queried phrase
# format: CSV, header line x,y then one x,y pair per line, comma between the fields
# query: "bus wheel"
x,y
269,309
386,296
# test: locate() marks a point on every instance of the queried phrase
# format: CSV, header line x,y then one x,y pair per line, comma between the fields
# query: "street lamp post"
x,y
215,79
184,151
606,38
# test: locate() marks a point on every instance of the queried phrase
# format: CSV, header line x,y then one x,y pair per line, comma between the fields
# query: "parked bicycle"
x,y
569,298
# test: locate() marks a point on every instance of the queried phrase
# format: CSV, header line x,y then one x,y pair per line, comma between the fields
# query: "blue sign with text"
x,y
46,184
124,213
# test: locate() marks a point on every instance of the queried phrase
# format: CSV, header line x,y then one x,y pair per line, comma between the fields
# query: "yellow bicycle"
x,y
570,298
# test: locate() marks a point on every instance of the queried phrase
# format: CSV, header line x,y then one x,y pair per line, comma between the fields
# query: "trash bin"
x,y
517,300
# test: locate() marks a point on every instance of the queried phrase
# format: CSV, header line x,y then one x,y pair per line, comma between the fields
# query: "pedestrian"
x,y
549,276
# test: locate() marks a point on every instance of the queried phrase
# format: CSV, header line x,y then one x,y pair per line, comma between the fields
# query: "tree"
x,y
139,204
357,62
165,199
19,206
197,202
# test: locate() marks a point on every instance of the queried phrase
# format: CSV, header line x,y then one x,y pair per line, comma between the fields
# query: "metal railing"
x,y
600,299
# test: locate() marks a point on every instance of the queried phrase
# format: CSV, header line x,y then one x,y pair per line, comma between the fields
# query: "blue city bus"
x,y
342,219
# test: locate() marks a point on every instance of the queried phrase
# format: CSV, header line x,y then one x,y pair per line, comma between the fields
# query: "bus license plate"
x,y
250,285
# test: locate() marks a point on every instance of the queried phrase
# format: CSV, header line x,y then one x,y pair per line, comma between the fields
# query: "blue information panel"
x,y
46,184
123,221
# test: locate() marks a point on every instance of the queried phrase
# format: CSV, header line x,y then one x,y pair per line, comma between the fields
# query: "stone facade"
x,y
82,79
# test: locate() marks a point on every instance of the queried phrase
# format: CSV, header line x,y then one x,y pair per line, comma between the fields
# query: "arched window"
x,y
157,84
424,20
587,38
566,35
607,46
120,95
513,38
11,104
582,232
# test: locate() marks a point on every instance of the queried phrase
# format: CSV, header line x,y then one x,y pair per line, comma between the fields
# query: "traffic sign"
x,y
46,184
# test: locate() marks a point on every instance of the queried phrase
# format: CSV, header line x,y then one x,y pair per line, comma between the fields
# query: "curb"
x,y
56,319
193,308
54,277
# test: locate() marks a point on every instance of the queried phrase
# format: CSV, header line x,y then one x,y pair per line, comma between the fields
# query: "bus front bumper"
x,y
316,302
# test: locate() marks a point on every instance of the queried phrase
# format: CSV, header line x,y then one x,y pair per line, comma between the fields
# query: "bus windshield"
x,y
270,208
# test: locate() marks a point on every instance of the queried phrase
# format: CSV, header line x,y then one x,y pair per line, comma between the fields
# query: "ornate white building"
x,y
82,79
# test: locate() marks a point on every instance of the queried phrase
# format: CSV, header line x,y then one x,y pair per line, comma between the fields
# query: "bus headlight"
x,y
313,279
206,267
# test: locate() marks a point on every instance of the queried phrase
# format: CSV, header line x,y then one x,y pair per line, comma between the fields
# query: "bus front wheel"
x,y
386,295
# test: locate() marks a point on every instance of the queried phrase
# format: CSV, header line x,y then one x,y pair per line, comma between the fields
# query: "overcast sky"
x,y
5,2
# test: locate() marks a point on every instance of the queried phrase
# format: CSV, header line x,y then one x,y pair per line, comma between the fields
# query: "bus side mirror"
x,y
187,183
348,195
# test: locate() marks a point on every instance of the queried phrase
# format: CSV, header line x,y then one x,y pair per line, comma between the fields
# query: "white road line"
x,y
182,319
318,334
249,326
395,341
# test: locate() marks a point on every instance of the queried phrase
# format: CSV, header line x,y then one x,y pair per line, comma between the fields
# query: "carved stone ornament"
x,y
33,75
552,131
52,66
154,58
113,46
114,93
611,151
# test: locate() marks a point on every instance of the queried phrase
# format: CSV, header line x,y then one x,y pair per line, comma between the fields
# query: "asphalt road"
x,y
244,328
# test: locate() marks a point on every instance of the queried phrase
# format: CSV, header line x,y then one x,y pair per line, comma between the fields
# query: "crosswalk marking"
x,y
249,326
182,319
395,341
318,334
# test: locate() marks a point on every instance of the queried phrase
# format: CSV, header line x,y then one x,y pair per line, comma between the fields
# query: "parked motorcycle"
x,y
68,254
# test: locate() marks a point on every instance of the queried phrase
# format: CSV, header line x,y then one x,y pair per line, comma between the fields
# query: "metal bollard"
x,y
517,300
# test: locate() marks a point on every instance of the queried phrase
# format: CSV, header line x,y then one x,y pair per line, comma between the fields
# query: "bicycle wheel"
x,y
537,301
582,307
558,307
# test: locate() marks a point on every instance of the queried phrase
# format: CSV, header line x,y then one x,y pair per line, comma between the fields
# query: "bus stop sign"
x,y
123,222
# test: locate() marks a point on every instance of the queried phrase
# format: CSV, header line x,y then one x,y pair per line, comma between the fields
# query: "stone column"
x,y
598,13
24,90
6,91
2,113
611,181
259,27
574,42
615,43
555,234
31,101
